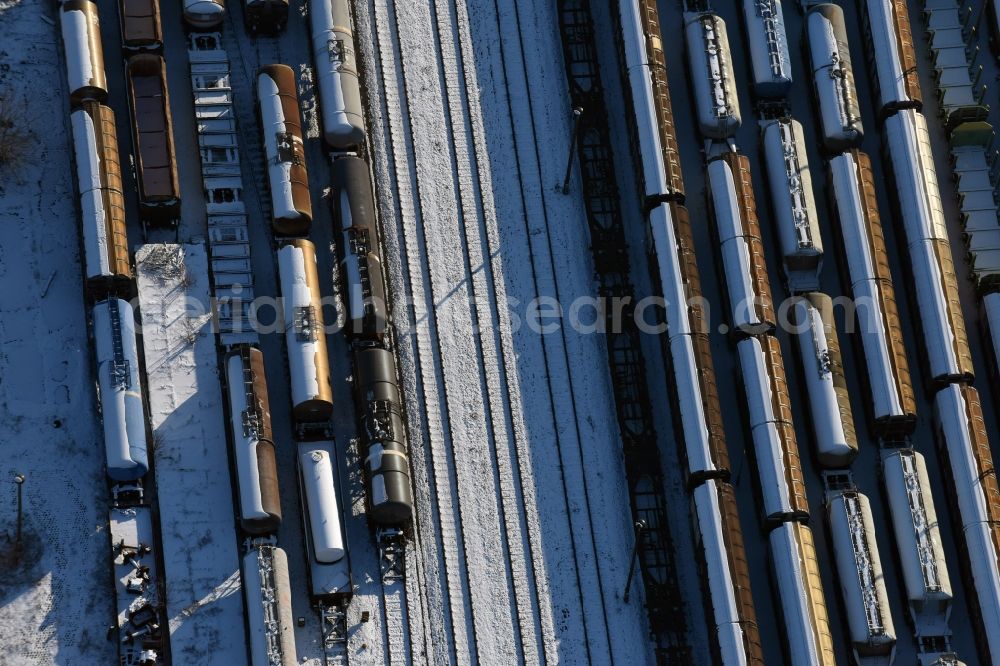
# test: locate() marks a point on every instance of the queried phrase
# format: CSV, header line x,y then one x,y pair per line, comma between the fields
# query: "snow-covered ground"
x,y
522,529
191,463
56,605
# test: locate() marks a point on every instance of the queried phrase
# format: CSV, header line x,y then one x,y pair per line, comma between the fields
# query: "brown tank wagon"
x,y
253,441
140,23
152,130
281,124
81,33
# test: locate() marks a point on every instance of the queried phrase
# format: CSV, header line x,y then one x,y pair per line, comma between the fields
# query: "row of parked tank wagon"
x,y
110,283
891,405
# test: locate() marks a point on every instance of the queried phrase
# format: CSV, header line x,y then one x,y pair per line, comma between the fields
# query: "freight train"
x,y
726,577
140,25
829,400
793,204
305,332
281,125
710,59
947,357
153,138
833,78
337,73
259,501
892,403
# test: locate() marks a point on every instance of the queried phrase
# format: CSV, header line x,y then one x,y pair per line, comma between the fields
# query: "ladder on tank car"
x,y
862,554
767,11
793,169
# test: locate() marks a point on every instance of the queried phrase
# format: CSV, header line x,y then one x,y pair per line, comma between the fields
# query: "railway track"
x,y
454,269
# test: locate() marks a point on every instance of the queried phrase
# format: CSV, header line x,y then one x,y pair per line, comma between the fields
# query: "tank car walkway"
x,y
194,488
522,535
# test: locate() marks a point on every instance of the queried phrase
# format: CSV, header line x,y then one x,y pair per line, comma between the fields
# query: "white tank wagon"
x,y
918,540
329,564
740,243
725,575
962,434
769,411
862,583
81,35
102,205
337,73
770,61
281,124
253,442
806,622
204,14
793,204
359,249
383,434
892,405
711,63
652,110
268,596
305,332
833,77
823,368
122,412
894,61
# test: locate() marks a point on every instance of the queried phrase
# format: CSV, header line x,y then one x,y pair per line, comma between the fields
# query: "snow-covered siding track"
x,y
56,602
509,429
197,527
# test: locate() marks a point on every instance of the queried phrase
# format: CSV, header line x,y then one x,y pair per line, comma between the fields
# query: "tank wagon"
x,y
360,258
140,24
829,401
329,565
204,14
337,73
253,441
383,436
800,589
936,285
81,33
291,207
269,604
772,430
305,332
120,390
98,172
963,436
792,199
153,134
918,538
893,403
711,63
890,47
833,77
770,61
720,540
653,113
694,385
738,232
859,568
265,17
